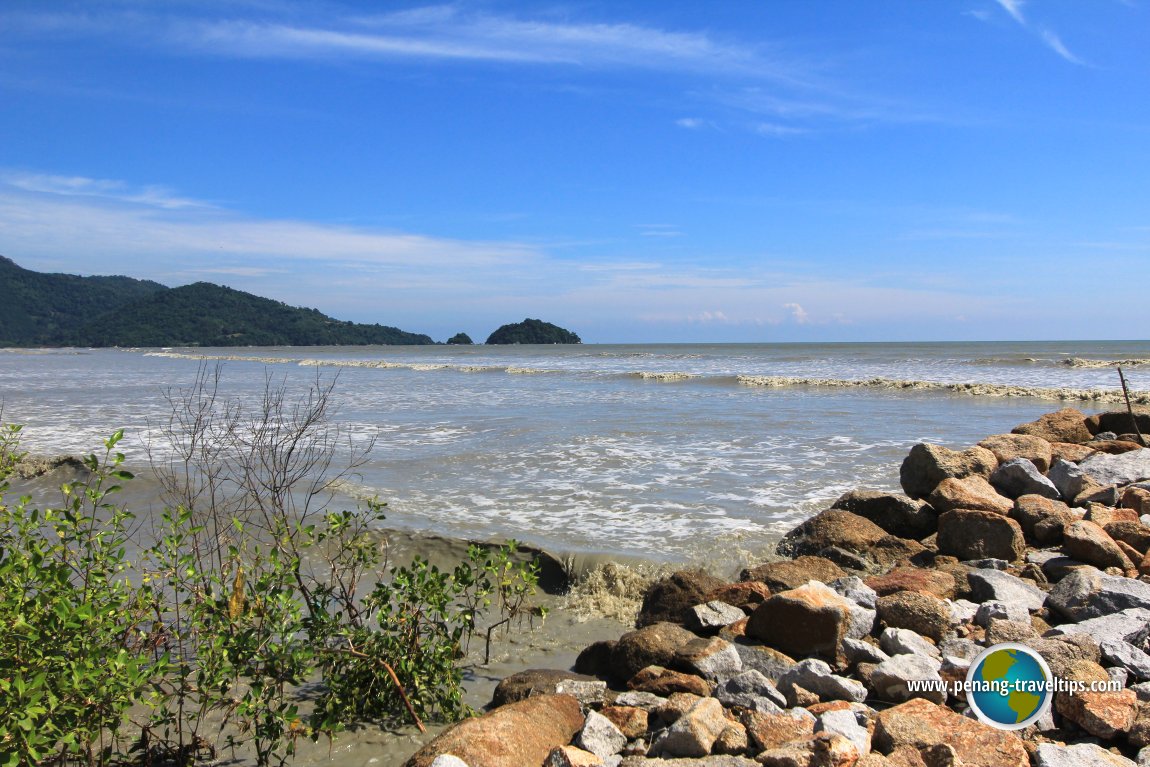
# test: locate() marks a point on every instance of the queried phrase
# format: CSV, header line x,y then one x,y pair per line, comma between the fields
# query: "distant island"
x,y
41,309
460,339
532,332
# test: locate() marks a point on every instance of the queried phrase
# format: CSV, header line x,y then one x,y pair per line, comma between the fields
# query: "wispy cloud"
x,y
80,186
1014,8
1047,35
1054,42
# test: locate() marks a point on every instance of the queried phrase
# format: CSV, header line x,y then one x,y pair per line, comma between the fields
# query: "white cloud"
x,y
797,313
1055,44
1048,36
80,186
1014,8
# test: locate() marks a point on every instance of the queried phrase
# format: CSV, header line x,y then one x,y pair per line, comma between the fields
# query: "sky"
x,y
667,171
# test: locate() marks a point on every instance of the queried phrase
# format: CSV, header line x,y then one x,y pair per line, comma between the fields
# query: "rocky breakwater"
x,y
840,653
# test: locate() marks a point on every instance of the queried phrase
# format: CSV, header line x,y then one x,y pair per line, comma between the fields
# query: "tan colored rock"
x,y
973,534
571,756
1042,519
732,740
1087,542
924,614
1066,425
928,465
667,599
831,528
663,681
1118,421
768,731
678,703
1007,446
921,724
1068,451
510,736
1136,498
792,573
1102,714
969,493
630,720
1102,515
695,732
811,619
651,645
745,596
937,582
1114,446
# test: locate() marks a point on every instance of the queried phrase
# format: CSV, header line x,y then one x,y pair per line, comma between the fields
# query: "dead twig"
x,y
1130,408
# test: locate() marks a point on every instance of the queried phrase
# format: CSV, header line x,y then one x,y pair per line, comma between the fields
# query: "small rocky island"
x,y
844,651
532,332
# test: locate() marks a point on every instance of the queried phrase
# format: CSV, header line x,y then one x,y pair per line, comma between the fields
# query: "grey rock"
x,y
987,563
1067,477
1143,758
587,693
770,666
600,736
1019,476
966,649
752,690
711,617
1142,690
694,733
1105,436
1089,593
891,679
711,659
989,611
858,651
1123,626
644,700
853,588
448,760
815,675
962,610
987,585
845,723
1123,469
1122,654
862,621
1078,755
906,642
1119,675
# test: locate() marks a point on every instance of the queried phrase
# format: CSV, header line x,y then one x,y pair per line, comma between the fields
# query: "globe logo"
x,y
1009,686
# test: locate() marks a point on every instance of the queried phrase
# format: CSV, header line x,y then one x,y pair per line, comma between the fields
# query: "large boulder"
x,y
937,582
1077,755
1117,421
812,619
668,599
1007,447
1066,425
791,573
511,736
926,465
969,493
1087,542
921,724
1019,476
654,645
1088,593
922,613
1042,519
534,681
1068,478
898,514
833,528
972,534
694,733
1123,469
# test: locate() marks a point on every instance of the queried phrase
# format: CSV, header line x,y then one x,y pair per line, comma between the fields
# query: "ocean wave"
x,y
1079,362
972,389
652,375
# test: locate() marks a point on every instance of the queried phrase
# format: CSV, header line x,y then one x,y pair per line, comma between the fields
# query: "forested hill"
x,y
64,310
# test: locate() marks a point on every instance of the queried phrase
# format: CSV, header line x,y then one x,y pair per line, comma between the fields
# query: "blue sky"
x,y
781,170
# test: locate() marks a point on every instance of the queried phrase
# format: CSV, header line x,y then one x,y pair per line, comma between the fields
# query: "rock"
x,y
1117,421
632,721
535,681
963,611
667,600
937,582
1137,498
891,679
1102,714
1010,447
831,528
1000,631
1133,533
745,596
1087,542
1124,625
651,645
809,619
677,704
1068,478
1019,476
708,761
732,740
1124,469
973,534
767,731
712,658
969,493
816,676
588,693
928,465
1096,494
790,574
856,590
1066,425
924,614
896,641
1078,755
896,514
514,735
600,736
1069,452
448,760
695,732
663,681
595,659
751,690
995,585
644,700
1035,511
1118,652
1001,611
571,756
921,724
844,723
858,651
1064,653
708,618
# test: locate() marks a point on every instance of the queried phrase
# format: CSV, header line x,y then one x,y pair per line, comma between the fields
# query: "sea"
x,y
665,453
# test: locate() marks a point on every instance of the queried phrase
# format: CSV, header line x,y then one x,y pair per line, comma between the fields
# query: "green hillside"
x,y
532,332
64,310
